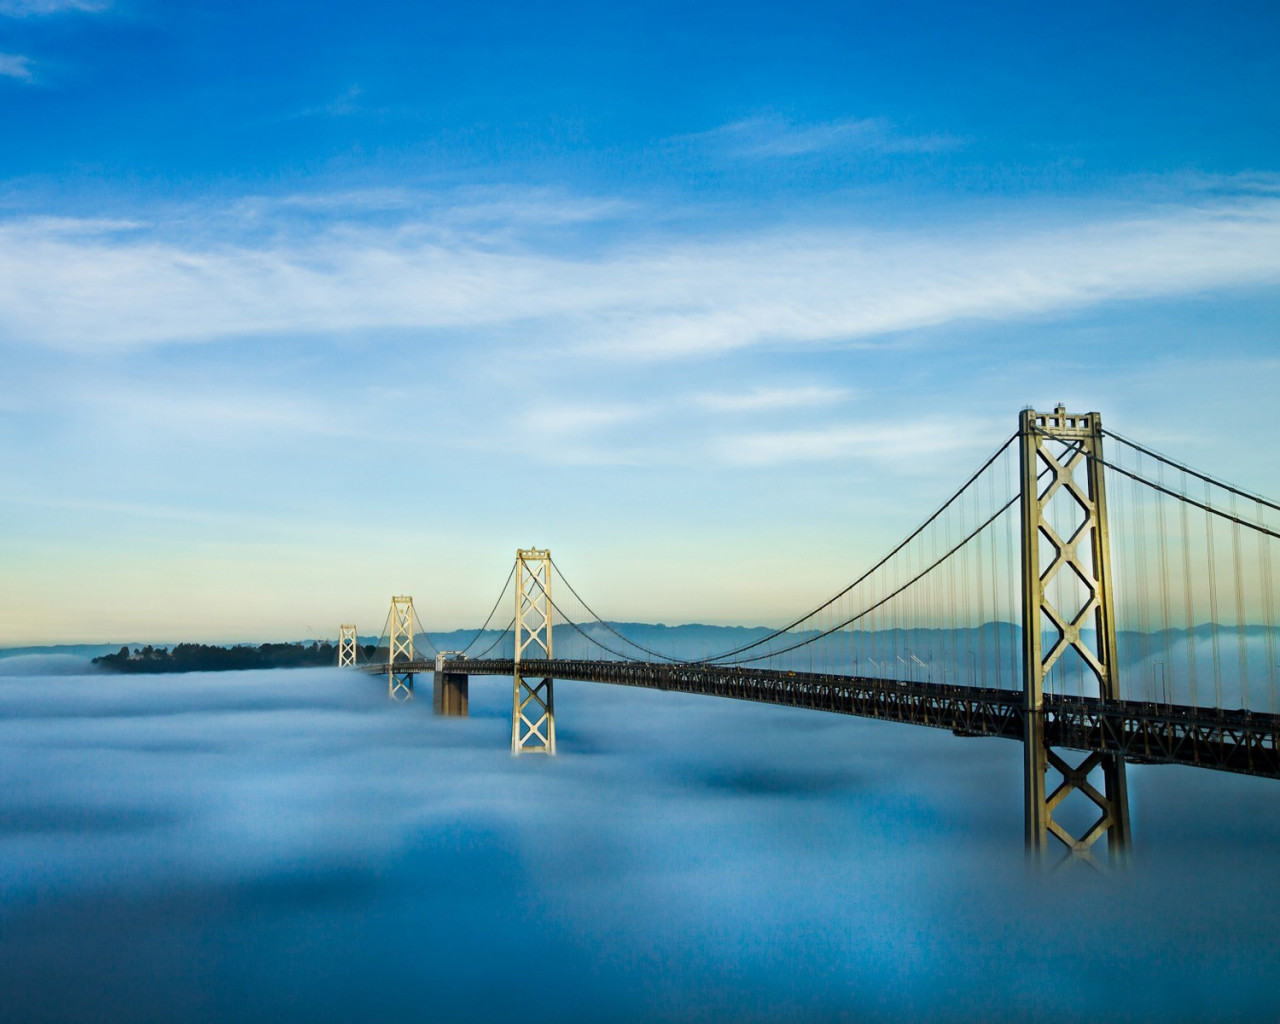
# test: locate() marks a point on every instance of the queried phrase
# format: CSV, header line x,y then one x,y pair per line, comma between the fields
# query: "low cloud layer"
x,y
290,845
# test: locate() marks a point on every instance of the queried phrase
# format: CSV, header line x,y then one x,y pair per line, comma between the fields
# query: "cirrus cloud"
x,y
771,136
14,65
86,284
36,8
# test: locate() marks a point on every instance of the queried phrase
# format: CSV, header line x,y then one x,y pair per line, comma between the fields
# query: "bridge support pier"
x,y
1070,596
533,718
400,682
347,646
449,691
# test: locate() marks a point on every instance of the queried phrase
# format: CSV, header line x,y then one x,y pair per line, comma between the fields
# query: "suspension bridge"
x,y
1101,606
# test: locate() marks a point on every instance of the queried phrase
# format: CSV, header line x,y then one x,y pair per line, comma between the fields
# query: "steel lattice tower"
x,y
400,684
533,720
347,646
1070,594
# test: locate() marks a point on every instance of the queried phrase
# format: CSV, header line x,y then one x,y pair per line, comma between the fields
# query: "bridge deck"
x,y
1235,741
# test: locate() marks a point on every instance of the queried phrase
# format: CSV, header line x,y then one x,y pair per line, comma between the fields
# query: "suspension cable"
x,y
422,632
568,621
1194,472
999,451
826,604
1203,505
385,634
880,564
501,594
483,654
888,597
479,632
620,636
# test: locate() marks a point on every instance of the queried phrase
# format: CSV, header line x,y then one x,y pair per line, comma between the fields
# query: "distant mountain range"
x,y
75,650
690,641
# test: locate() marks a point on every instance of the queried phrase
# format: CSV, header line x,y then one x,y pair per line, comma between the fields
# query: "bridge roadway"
x,y
1235,741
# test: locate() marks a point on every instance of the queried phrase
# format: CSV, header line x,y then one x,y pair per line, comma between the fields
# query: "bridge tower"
x,y
533,719
400,683
1067,601
346,646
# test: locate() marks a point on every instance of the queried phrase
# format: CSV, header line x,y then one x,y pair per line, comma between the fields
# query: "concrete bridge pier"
x,y
449,693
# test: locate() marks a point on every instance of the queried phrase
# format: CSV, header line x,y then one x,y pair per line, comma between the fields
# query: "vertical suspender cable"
x,y
1140,549
966,602
877,625
983,566
1165,621
1189,597
890,641
1268,612
941,637
1132,555
952,638
1242,648
1013,578
907,601
1213,601
995,583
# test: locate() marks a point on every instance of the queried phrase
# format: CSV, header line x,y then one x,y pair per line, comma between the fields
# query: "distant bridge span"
x,y
1246,742
1013,580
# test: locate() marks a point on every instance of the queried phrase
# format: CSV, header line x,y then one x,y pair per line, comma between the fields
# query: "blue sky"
x,y
298,311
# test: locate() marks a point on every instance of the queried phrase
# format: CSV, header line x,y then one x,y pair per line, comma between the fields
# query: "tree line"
x,y
210,658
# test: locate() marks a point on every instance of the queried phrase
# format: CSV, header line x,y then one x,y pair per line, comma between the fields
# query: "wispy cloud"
x,y
465,206
13,65
88,284
604,435
340,106
679,427
847,441
772,136
561,415
769,399
563,418
541,207
215,415
35,8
